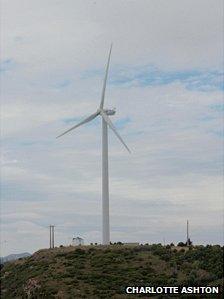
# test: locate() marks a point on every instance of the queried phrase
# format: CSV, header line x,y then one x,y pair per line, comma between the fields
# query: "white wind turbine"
x,y
101,111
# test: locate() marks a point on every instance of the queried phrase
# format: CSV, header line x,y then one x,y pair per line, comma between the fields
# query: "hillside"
x,y
103,272
13,257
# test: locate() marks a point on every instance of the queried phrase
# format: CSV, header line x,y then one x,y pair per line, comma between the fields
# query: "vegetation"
x,y
104,271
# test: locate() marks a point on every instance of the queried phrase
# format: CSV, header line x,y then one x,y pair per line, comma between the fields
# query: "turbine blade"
x,y
105,80
86,120
110,124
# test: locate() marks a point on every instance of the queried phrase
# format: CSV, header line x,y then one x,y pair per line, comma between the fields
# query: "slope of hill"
x,y
12,257
103,272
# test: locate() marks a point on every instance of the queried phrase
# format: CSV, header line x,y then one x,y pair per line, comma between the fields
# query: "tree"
x,y
119,243
189,242
181,244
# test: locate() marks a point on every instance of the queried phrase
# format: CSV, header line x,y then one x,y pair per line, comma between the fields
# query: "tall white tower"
x,y
104,113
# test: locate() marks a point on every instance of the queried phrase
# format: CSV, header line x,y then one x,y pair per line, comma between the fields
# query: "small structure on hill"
x,y
77,241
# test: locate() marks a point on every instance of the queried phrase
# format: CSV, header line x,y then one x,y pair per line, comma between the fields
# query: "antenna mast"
x,y
188,233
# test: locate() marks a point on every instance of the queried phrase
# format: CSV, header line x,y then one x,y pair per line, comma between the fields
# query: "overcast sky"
x,y
165,81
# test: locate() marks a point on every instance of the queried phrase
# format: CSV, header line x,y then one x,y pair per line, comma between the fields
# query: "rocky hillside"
x,y
103,272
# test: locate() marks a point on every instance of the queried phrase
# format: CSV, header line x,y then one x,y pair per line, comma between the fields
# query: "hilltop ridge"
x,y
104,271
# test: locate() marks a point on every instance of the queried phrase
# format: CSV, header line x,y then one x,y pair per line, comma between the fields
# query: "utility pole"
x,y
51,236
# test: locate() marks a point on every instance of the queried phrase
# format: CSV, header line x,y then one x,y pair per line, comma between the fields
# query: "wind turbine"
x,y
104,113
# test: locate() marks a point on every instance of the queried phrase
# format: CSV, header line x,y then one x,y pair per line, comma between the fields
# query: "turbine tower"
x,y
104,113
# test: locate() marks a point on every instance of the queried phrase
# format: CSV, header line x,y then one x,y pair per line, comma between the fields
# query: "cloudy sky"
x,y
165,81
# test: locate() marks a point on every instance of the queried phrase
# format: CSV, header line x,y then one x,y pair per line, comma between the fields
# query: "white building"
x,y
77,241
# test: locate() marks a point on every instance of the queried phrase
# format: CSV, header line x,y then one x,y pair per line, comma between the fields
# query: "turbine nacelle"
x,y
110,111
